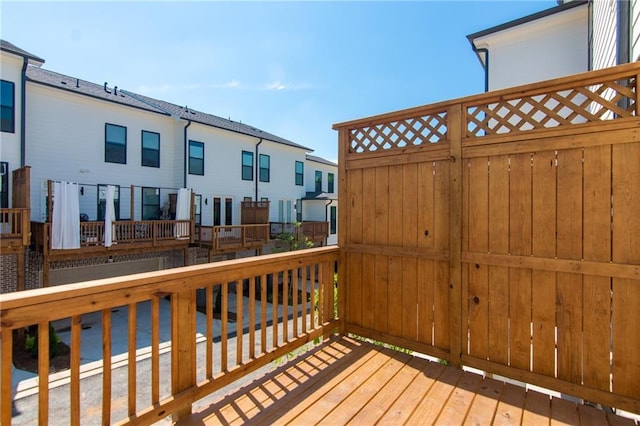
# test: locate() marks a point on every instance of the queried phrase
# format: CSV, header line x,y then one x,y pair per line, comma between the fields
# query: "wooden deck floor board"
x,y
351,382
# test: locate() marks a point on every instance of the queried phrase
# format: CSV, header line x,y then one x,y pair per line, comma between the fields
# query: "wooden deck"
x,y
350,382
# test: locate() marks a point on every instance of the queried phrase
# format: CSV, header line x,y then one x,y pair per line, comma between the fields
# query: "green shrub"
x,y
31,342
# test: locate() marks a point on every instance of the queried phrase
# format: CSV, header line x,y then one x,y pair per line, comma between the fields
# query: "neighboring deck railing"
x,y
14,228
145,233
314,231
232,238
282,301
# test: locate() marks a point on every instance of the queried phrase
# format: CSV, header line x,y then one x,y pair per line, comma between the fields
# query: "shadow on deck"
x,y
350,382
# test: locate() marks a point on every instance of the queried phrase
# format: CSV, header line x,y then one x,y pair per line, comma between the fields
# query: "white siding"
x,y
635,30
66,141
11,70
550,47
604,34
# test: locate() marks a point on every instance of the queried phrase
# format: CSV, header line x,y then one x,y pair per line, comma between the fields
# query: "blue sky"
x,y
290,68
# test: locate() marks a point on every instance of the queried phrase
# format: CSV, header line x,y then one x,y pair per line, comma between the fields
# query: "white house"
x,y
321,203
572,37
94,134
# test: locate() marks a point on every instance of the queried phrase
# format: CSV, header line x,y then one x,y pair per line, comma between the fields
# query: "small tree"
x,y
31,342
295,240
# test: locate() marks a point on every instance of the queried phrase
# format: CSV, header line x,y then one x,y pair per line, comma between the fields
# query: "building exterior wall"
x,y
635,30
605,28
11,70
538,50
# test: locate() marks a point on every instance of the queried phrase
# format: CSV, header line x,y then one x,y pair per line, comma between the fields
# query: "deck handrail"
x,y
14,224
239,236
301,298
153,232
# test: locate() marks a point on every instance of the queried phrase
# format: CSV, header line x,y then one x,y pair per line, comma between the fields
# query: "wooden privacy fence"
x,y
502,231
167,355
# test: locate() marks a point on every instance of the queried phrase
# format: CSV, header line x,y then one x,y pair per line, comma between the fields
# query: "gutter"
x,y
485,63
257,173
23,112
186,154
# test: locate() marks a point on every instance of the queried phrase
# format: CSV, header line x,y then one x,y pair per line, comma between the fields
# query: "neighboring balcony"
x,y
15,233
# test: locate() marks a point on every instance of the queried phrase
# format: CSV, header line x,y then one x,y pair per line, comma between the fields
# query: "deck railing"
x,y
310,229
281,302
233,237
14,227
147,232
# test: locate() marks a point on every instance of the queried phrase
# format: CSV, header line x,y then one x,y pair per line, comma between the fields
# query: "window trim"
x,y
12,128
194,143
106,160
299,174
266,169
248,166
142,148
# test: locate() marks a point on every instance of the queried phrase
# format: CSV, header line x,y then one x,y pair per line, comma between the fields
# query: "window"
x,y
102,201
333,214
247,165
299,173
150,203
115,144
265,162
228,206
197,215
284,210
330,183
318,181
196,158
150,149
8,113
4,185
217,211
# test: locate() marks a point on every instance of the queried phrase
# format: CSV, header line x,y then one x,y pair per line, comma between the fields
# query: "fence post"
x,y
454,129
183,346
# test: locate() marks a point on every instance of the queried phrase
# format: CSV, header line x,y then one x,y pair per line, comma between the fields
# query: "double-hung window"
x,y
7,106
318,181
196,158
330,183
150,149
247,165
299,173
115,144
265,166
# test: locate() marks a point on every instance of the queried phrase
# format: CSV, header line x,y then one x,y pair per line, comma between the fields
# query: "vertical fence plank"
x,y
74,377
597,247
6,345
252,317
43,372
286,279
368,294
131,364
411,316
569,246
274,308
626,249
424,236
381,237
263,314
353,288
544,245
441,243
498,244
155,349
106,366
520,244
478,275
396,286
208,295
183,354
239,321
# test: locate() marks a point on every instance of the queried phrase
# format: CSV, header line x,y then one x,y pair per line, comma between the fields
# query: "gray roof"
x,y
320,160
83,87
214,121
124,97
529,18
319,196
12,48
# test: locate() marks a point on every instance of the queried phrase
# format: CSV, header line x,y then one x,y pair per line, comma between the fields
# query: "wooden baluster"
x,y
106,367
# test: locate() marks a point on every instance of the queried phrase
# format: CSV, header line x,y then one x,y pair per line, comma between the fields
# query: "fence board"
x,y
498,229
478,232
569,246
626,248
597,247
520,244
544,245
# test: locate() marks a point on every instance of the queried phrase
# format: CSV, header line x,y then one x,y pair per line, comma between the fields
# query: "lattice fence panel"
x,y
603,101
413,131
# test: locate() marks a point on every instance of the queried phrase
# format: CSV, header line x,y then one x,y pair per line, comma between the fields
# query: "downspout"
x,y
186,154
257,173
485,65
23,113
623,33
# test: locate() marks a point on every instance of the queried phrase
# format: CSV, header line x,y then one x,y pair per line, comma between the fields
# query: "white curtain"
x,y
109,216
65,221
183,212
